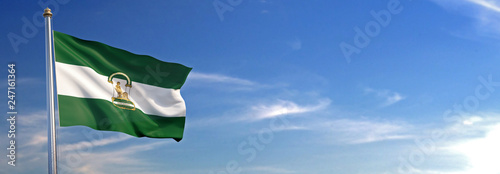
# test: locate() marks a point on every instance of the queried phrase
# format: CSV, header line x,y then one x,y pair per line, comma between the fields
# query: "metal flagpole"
x,y
50,91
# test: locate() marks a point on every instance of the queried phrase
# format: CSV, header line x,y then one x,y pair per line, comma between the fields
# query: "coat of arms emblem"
x,y
121,95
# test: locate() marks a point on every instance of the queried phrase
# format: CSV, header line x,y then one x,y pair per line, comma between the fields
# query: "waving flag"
x,y
107,88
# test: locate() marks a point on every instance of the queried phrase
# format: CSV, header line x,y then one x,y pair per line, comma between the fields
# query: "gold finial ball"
x,y
47,12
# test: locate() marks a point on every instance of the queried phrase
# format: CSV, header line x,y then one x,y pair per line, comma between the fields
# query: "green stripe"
x,y
103,115
107,60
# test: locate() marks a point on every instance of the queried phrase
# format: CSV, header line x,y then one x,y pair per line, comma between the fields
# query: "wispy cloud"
x,y
220,81
284,107
120,160
31,143
33,119
266,111
92,157
488,4
93,143
37,139
349,131
472,141
218,78
32,123
483,153
268,169
388,96
486,13
478,143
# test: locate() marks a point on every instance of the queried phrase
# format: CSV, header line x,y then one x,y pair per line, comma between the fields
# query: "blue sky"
x,y
273,90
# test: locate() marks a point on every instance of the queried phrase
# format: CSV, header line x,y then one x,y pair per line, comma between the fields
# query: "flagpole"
x,y
52,153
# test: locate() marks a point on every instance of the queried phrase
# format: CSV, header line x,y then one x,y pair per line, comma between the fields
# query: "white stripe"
x,y
84,82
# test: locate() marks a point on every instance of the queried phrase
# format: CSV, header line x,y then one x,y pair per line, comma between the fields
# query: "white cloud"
x,y
479,143
218,78
119,160
89,157
483,153
485,12
394,98
32,124
31,143
349,131
473,140
389,97
265,111
38,118
93,143
37,139
268,169
283,107
290,128
472,120
224,82
488,4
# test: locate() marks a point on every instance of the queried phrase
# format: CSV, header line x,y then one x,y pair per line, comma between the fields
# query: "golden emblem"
x,y
121,99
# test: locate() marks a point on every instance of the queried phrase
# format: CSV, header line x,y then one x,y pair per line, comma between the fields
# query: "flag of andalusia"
x,y
106,88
